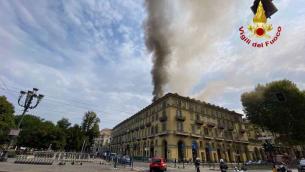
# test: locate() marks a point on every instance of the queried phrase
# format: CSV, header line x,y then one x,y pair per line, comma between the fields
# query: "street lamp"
x,y
30,96
27,104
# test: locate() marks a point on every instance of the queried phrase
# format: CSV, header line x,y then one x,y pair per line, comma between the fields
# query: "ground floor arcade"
x,y
184,147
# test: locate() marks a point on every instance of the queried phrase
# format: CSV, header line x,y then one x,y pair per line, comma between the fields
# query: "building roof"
x,y
181,97
106,129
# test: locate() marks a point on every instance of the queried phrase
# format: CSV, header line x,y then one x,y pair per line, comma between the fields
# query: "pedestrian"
x,y
223,166
197,164
274,168
115,162
175,162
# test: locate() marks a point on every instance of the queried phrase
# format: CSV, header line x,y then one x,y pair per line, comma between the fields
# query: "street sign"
x,y
265,138
14,132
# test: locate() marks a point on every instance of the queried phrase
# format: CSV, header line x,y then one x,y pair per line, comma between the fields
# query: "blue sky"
x,y
90,55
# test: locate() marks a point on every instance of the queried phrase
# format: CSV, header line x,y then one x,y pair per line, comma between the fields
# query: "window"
x,y
164,113
179,103
156,129
209,112
179,126
193,129
198,128
206,131
197,117
183,104
192,116
163,126
191,107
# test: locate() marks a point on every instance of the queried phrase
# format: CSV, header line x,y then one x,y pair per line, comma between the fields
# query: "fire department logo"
x,y
260,28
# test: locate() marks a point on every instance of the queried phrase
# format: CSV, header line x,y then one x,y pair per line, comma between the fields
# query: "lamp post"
x,y
30,96
27,104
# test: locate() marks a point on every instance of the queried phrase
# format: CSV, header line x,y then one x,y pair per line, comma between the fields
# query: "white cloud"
x,y
74,52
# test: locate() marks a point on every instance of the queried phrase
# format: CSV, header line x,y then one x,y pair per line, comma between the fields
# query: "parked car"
x,y
125,160
249,162
301,165
260,162
157,164
3,156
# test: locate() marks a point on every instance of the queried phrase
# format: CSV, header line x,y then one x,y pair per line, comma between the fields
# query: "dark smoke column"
x,y
156,43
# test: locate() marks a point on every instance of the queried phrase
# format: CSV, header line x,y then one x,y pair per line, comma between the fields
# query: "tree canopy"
x,y
41,134
278,106
6,119
63,124
90,127
75,138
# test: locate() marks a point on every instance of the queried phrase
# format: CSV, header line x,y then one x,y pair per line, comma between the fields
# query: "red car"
x,y
157,164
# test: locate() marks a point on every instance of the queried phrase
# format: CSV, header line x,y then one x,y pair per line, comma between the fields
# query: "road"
x,y
97,167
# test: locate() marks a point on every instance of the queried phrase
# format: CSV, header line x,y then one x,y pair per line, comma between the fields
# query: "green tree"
x,y
278,106
63,124
62,131
90,127
75,138
37,133
6,119
31,132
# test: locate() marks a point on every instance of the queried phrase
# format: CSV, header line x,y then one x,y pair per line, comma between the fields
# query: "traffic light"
x,y
269,7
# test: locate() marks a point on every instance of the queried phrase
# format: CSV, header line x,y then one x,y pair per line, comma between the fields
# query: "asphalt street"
x,y
97,167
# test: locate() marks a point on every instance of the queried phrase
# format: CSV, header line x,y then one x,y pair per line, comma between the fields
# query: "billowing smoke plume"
x,y
156,42
184,38
181,35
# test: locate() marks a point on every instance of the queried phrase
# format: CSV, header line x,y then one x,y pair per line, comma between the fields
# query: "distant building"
x,y
102,143
258,136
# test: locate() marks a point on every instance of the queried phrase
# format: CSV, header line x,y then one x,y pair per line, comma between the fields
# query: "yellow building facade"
x,y
181,128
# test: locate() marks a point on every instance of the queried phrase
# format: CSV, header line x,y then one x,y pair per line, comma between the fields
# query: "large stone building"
x,y
177,127
182,128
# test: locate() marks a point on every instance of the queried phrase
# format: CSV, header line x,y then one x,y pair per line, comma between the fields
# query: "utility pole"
x,y
30,97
